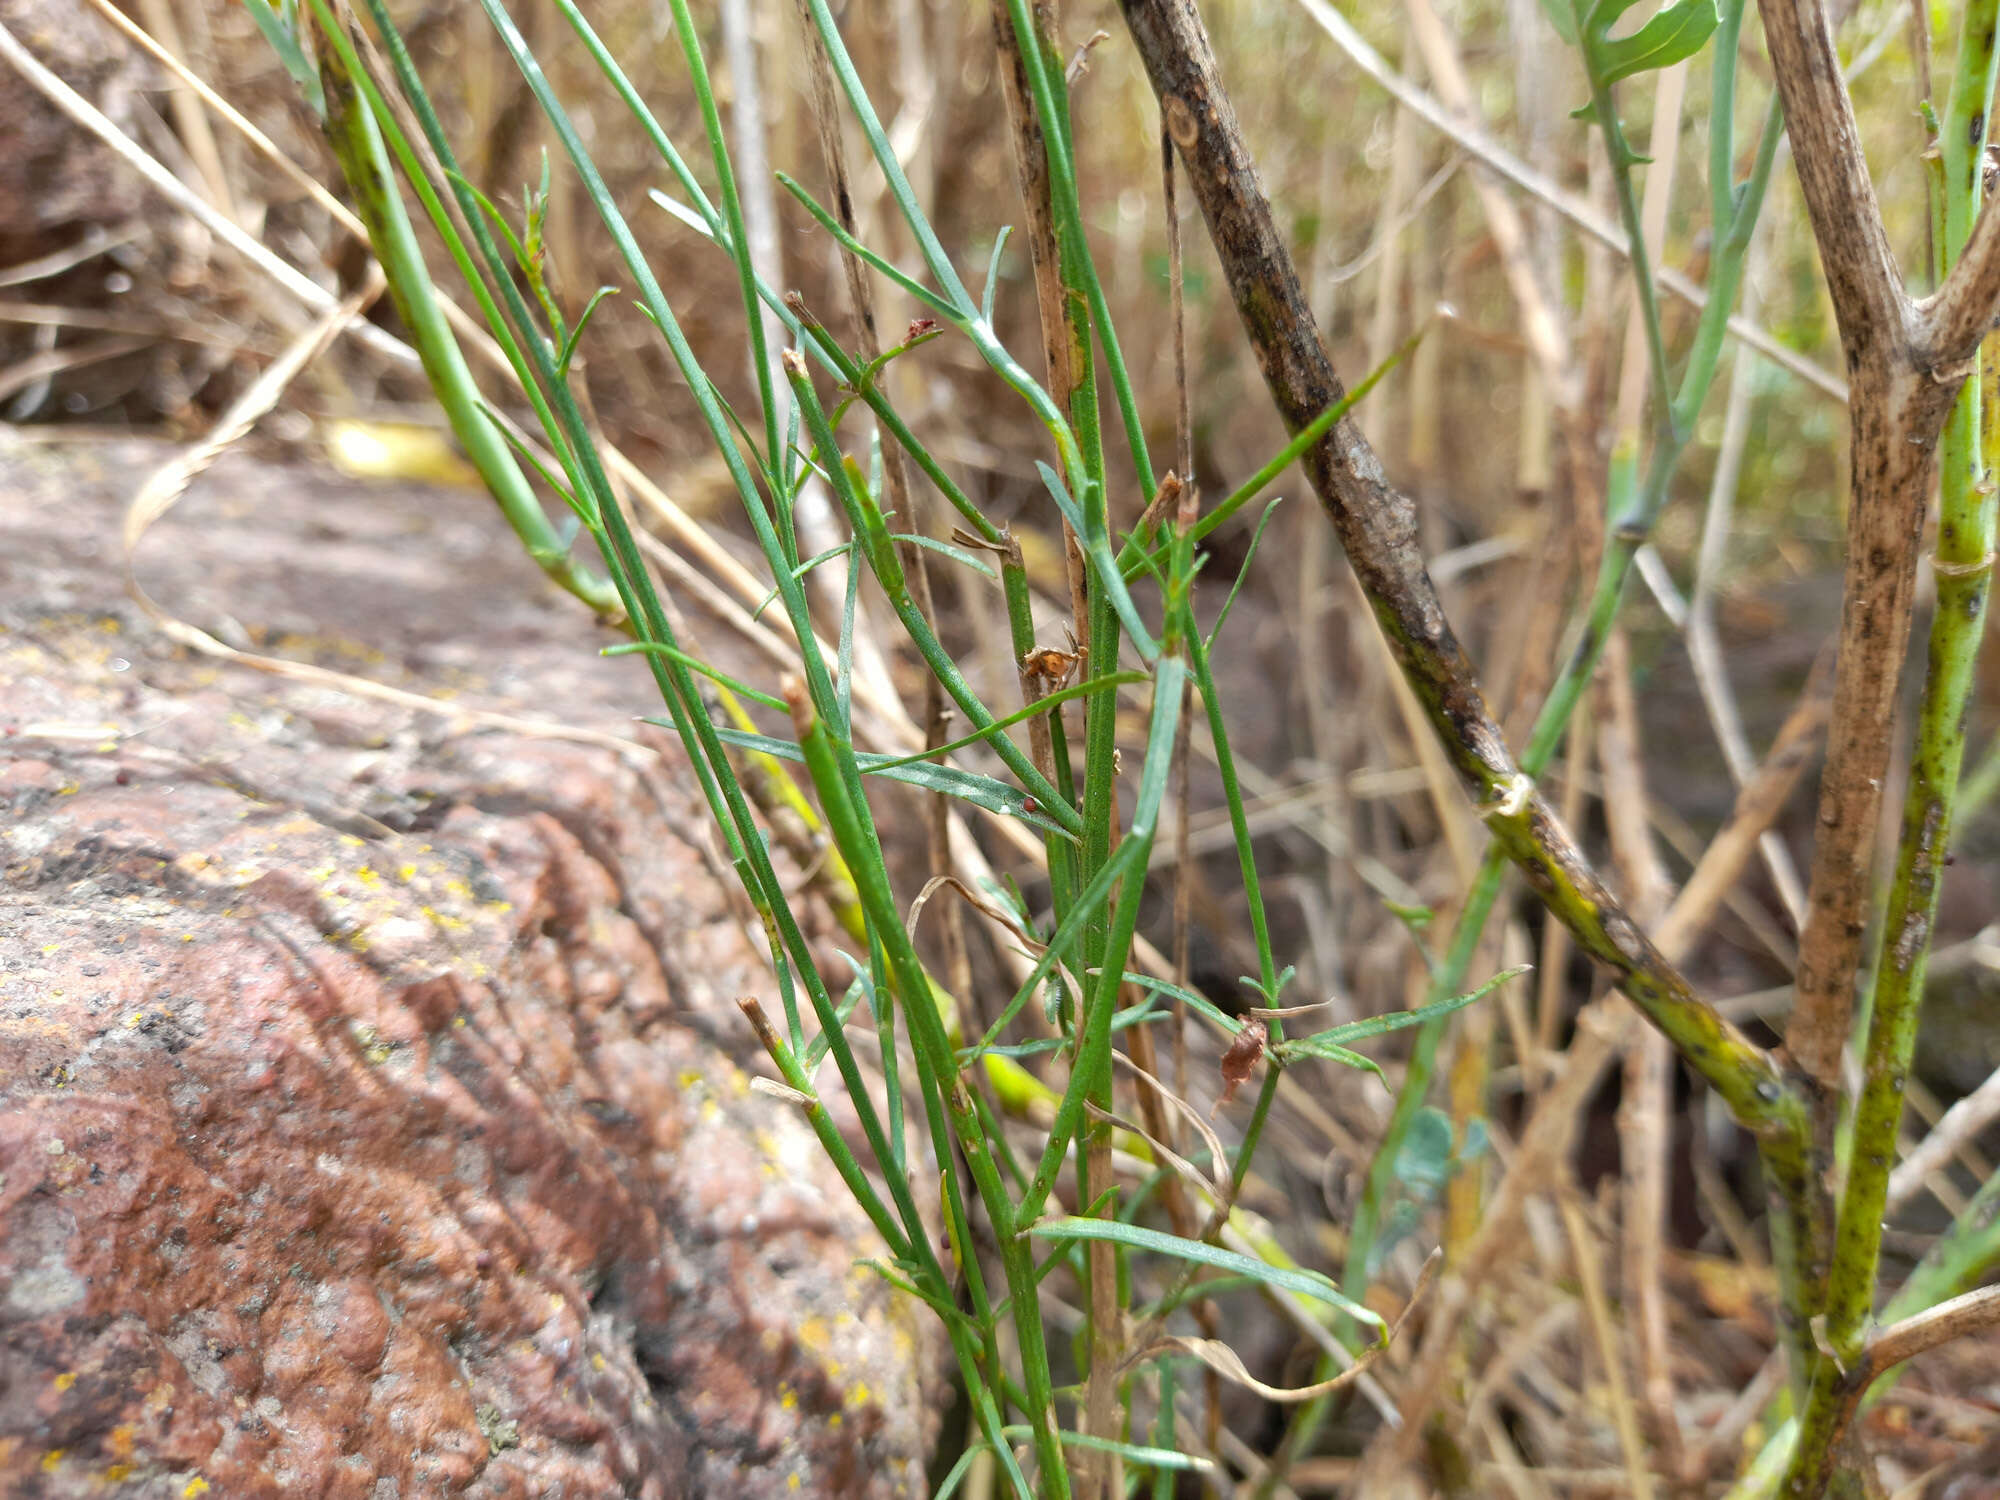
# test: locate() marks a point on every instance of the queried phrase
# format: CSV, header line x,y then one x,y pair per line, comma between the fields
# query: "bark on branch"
x,y
1963,310
1905,363
1377,527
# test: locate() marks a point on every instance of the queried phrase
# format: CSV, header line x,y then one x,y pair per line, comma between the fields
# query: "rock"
x,y
54,174
374,1110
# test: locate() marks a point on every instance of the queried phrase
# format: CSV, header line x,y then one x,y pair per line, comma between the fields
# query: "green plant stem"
x,y
732,209
358,147
1268,977
1963,1257
707,754
933,1051
1044,66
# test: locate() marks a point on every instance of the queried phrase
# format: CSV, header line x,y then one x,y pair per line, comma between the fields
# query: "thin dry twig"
x,y
1961,1124
170,187
1541,327
1597,1309
1973,1312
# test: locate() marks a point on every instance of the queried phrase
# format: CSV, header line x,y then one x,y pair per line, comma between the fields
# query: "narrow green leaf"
x,y
993,272
980,791
583,321
281,31
1299,1281
1097,546
1039,706
956,554
1309,1046
695,664
1397,1020
1244,571
853,246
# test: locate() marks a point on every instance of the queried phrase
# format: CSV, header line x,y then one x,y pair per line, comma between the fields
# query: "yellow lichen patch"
x,y
65,1380
52,1460
406,872
120,1440
814,1334
117,1473
788,1399
195,1486
834,1420
791,1481
859,1395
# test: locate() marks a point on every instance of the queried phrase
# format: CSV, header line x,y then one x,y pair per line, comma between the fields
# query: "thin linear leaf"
x,y
1378,1025
980,791
1298,1281
1329,1052
993,272
1098,546
956,554
849,243
1244,571
582,322
1021,715
695,664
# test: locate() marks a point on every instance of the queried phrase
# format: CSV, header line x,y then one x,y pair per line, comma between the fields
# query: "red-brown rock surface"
x,y
373,1109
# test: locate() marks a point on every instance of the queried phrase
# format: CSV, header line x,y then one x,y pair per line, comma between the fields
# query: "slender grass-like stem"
x,y
358,146
707,752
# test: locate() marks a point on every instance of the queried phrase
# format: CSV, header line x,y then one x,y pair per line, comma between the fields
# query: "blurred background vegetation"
x,y
131,318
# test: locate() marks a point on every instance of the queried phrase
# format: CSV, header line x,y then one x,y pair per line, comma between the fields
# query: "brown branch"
x,y
1964,310
1899,395
1861,270
1378,529
1971,1313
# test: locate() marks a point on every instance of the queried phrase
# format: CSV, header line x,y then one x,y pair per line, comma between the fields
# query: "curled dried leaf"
x,y
1241,1060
